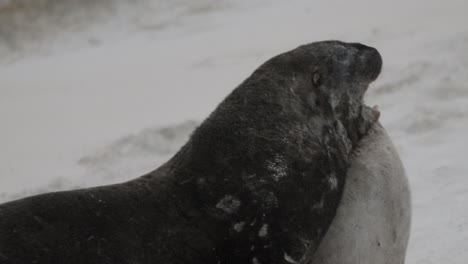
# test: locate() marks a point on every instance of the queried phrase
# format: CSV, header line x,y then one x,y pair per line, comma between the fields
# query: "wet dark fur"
x,y
258,182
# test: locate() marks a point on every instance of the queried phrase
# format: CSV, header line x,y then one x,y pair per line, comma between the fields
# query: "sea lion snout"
x,y
370,61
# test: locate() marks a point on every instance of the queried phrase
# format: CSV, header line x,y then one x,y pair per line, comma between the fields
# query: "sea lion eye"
x,y
316,78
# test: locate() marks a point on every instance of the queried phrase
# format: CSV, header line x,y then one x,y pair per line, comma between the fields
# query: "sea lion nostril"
x,y
359,46
371,61
374,64
362,47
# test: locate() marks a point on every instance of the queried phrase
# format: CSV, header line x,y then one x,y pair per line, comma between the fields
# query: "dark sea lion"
x,y
259,181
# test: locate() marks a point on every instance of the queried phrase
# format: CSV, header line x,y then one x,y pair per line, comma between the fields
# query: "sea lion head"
x,y
330,79
317,89
343,70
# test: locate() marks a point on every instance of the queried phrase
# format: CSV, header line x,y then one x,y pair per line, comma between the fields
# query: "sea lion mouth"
x,y
370,66
375,65
375,108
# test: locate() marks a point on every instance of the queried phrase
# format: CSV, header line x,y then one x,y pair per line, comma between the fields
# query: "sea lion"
x,y
372,223
259,181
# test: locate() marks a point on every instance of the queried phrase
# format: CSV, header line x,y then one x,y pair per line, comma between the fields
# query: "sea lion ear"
x,y
316,78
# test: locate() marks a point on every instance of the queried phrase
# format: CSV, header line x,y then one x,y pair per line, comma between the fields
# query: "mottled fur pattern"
x,y
258,182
